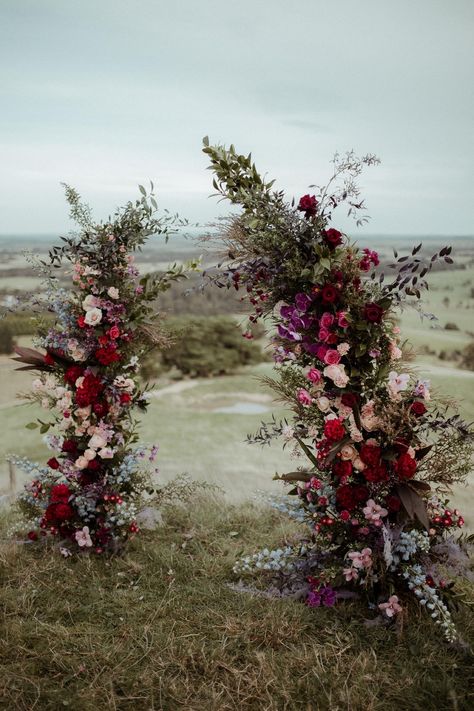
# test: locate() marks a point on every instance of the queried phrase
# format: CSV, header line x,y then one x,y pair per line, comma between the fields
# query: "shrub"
x,y
204,346
450,326
467,359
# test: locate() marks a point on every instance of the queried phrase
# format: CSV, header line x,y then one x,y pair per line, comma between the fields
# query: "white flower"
x,y
97,441
106,453
90,302
113,292
93,317
81,462
323,403
337,374
124,383
89,454
288,432
65,552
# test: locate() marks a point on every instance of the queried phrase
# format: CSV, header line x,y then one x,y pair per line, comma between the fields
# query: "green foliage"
x,y
203,346
6,338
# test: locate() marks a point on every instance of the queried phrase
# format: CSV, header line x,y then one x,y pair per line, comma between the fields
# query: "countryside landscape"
x,y
201,423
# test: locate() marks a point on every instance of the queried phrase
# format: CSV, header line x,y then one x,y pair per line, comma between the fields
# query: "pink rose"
x,y
314,375
342,321
304,397
323,334
326,320
332,357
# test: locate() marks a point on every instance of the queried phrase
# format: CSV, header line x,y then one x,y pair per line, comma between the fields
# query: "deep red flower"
x,y
58,512
48,359
59,492
93,465
376,473
32,535
373,313
81,321
334,429
349,399
107,355
53,463
100,408
348,496
418,408
70,446
125,398
329,294
370,454
332,237
89,391
405,466
308,204
73,373
342,468
393,503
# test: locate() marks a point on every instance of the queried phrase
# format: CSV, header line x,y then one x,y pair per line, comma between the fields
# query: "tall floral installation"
x,y
381,453
87,495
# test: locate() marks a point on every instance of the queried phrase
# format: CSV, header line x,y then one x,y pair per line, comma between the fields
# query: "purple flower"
x,y
303,302
325,596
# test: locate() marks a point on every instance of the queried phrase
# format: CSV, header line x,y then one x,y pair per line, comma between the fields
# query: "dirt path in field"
x,y
440,370
174,388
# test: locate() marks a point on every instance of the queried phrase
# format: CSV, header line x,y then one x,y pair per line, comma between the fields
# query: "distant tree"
x,y
450,326
204,346
6,339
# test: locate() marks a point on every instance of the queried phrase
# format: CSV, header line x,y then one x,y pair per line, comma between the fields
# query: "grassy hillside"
x,y
159,629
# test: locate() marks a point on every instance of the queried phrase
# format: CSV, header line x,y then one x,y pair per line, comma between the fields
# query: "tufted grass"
x,y
159,628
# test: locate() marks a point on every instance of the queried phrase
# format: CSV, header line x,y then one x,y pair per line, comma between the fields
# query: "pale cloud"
x,y
105,95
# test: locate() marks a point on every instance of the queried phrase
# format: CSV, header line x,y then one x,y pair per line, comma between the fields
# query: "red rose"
x,y
53,463
334,430
114,332
375,474
59,492
370,454
32,535
373,313
342,468
125,398
349,399
393,503
332,237
73,373
93,465
418,408
69,446
329,294
308,204
103,340
405,466
81,321
107,356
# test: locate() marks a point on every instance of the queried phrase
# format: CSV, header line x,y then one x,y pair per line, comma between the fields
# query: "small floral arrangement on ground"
x,y
89,492
381,453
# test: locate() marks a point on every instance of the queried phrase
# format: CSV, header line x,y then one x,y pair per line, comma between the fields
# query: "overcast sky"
x,y
105,94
